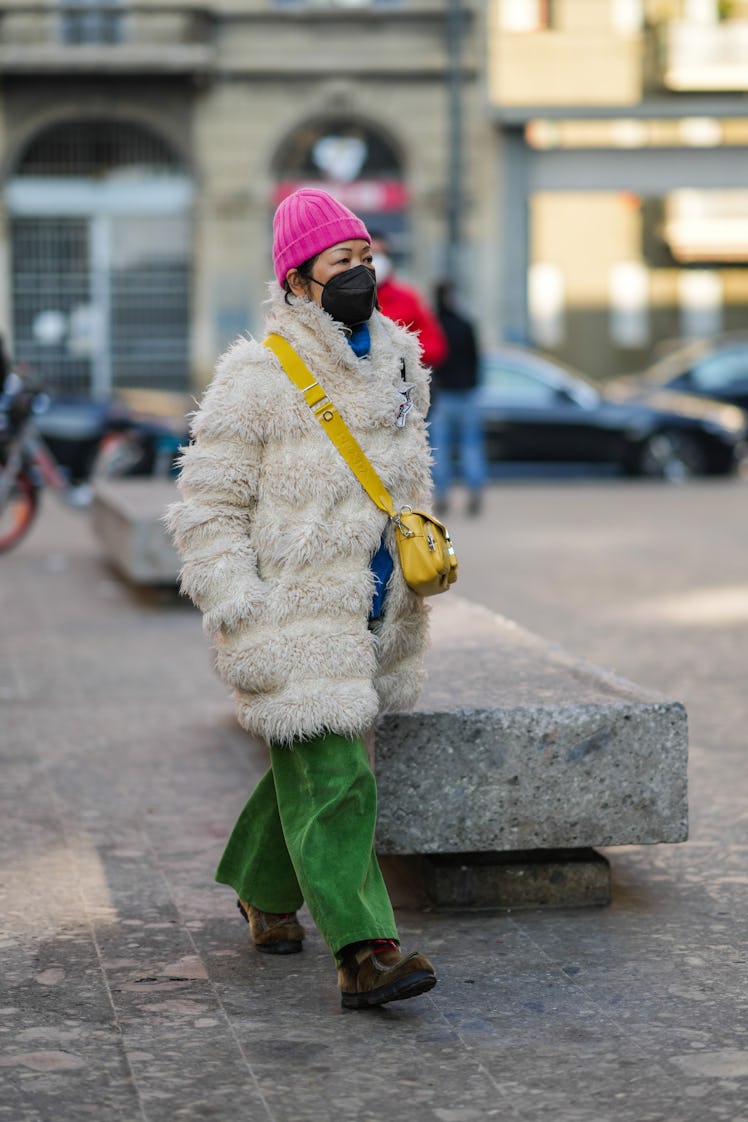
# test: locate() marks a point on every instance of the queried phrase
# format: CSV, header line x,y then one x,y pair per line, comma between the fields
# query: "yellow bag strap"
x,y
331,421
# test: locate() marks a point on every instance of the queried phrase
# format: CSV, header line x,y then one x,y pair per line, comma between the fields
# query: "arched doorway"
x,y
356,162
99,216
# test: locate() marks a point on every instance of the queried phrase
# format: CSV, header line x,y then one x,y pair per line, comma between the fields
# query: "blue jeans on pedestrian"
x,y
455,422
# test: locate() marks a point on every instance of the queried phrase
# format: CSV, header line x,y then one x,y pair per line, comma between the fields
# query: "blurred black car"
x,y
536,410
73,429
716,368
136,433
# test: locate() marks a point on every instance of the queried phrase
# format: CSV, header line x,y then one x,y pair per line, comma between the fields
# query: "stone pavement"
x,y
128,989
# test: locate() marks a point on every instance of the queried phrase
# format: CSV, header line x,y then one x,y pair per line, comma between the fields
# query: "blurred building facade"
x,y
145,145
577,166
623,173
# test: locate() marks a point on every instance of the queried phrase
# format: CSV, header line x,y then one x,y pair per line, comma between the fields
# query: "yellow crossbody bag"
x,y
427,557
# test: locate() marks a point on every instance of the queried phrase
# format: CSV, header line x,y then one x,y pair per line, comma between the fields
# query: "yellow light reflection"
x,y
67,882
707,607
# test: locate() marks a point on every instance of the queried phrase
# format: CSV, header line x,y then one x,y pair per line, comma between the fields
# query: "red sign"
x,y
368,195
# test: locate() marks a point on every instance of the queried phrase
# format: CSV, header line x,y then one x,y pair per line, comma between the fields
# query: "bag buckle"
x,y
404,530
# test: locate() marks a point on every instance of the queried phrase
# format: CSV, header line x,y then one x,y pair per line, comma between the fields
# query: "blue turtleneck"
x,y
381,563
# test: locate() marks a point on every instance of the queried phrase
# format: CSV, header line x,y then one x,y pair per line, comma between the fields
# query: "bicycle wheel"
x,y
18,513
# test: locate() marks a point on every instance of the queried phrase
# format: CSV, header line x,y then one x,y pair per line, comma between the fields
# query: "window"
x,y
707,226
98,21
97,148
628,291
339,150
524,15
701,11
701,302
546,303
627,15
517,387
350,4
101,258
720,371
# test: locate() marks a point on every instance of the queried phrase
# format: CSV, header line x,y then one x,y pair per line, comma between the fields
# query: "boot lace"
x,y
379,946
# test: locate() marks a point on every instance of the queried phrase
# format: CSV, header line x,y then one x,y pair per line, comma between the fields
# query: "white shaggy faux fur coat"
x,y
276,534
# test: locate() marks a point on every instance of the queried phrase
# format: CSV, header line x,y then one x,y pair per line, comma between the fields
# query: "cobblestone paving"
x,y
128,991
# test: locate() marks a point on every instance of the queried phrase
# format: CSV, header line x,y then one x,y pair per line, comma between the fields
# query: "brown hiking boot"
x,y
272,933
376,972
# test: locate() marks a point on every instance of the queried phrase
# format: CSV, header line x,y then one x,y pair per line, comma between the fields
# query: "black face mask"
x,y
350,297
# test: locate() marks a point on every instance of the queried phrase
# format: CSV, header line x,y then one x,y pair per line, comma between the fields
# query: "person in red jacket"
x,y
405,305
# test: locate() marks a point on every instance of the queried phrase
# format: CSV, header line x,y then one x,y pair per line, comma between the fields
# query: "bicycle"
x,y
26,463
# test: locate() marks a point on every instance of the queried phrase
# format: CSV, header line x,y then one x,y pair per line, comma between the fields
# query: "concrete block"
x,y
516,745
572,878
543,878
126,519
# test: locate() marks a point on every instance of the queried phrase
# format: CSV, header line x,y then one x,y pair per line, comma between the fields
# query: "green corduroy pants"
x,y
307,834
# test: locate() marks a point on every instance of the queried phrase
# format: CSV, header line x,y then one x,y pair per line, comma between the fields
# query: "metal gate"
x,y
51,279
101,264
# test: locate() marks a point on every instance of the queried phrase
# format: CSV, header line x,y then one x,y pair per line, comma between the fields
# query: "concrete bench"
x,y
518,760
126,519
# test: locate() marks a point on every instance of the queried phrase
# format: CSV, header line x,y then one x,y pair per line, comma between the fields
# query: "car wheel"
x,y
674,456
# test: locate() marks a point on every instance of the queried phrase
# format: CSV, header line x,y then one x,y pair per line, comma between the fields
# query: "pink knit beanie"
x,y
307,222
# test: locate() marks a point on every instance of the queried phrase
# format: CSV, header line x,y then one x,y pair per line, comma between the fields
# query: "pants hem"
x,y
249,898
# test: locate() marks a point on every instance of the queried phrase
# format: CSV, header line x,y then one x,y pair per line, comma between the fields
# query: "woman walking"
x,y
295,570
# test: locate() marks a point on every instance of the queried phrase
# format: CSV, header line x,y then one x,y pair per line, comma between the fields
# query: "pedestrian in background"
x,y
296,572
406,305
456,429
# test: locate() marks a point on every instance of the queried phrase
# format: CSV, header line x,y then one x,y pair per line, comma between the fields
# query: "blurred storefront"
x,y
622,164
145,145
99,228
578,166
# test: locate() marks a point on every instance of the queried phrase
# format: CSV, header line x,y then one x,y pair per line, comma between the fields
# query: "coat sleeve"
x,y
211,525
